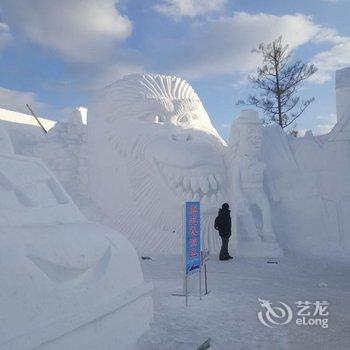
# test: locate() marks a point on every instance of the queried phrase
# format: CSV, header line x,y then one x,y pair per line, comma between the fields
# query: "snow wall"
x,y
65,282
149,145
311,175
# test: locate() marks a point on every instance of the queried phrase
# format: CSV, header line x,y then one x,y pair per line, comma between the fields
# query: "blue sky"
x,y
55,54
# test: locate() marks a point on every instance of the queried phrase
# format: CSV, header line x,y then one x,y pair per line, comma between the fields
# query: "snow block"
x,y
61,277
342,82
311,176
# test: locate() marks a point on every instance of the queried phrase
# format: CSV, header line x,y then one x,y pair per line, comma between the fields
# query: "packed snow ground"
x,y
228,315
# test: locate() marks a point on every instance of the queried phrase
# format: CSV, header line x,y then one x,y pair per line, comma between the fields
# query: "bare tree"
x,y
279,81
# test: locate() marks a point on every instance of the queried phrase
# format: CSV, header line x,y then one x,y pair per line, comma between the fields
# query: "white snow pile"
x,y
65,282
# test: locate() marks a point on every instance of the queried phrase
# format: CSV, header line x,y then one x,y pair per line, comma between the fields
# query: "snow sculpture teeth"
x,y
194,184
213,182
204,184
186,183
197,184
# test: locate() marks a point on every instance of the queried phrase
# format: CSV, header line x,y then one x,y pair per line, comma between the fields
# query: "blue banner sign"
x,y
192,237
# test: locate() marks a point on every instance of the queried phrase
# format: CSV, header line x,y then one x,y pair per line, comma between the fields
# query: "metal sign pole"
x,y
186,291
191,235
184,253
191,253
200,283
205,258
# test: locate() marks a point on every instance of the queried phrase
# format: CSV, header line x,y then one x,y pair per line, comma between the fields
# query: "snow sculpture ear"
x,y
5,141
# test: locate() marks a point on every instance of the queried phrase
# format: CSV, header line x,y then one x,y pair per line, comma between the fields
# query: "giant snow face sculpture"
x,y
152,148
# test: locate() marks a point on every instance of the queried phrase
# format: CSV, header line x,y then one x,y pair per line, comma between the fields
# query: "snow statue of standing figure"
x,y
152,147
251,187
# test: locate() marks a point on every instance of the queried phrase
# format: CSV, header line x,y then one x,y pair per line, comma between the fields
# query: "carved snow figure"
x,y
342,89
249,175
152,147
65,282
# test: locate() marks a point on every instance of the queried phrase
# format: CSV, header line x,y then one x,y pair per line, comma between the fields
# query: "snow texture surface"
x,y
149,145
152,147
59,272
343,92
229,313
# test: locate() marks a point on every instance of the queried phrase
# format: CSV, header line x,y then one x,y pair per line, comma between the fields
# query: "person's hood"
x,y
224,211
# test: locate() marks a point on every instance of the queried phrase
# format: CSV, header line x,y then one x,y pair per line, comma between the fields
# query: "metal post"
x,y
205,279
184,253
200,284
36,118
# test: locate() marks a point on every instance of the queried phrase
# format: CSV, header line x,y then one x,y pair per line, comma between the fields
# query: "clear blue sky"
x,y
55,54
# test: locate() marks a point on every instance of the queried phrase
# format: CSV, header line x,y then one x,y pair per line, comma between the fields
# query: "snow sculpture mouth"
x,y
198,184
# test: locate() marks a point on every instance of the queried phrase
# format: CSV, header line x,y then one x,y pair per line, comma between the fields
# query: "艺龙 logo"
x,y
308,313
272,316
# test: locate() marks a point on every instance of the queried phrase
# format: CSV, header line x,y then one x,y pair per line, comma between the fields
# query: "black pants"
x,y
224,248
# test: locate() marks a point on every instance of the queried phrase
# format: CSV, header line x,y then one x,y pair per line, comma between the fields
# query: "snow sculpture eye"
x,y
187,119
157,119
160,119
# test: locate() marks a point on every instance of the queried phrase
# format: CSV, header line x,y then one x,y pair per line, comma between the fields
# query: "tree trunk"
x,y
278,91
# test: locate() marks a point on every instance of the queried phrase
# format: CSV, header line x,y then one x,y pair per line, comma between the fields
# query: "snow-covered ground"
x,y
229,313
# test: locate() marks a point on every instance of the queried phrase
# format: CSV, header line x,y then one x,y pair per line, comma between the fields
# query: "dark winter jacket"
x,y
223,223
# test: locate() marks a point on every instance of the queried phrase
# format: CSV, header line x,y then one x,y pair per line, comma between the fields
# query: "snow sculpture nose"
x,y
183,137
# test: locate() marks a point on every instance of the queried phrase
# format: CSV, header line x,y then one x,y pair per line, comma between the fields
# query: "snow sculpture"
x,y
64,149
255,233
343,92
149,145
79,116
311,175
152,147
64,282
5,141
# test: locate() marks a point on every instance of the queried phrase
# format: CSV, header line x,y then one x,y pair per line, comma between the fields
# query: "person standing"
x,y
223,225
